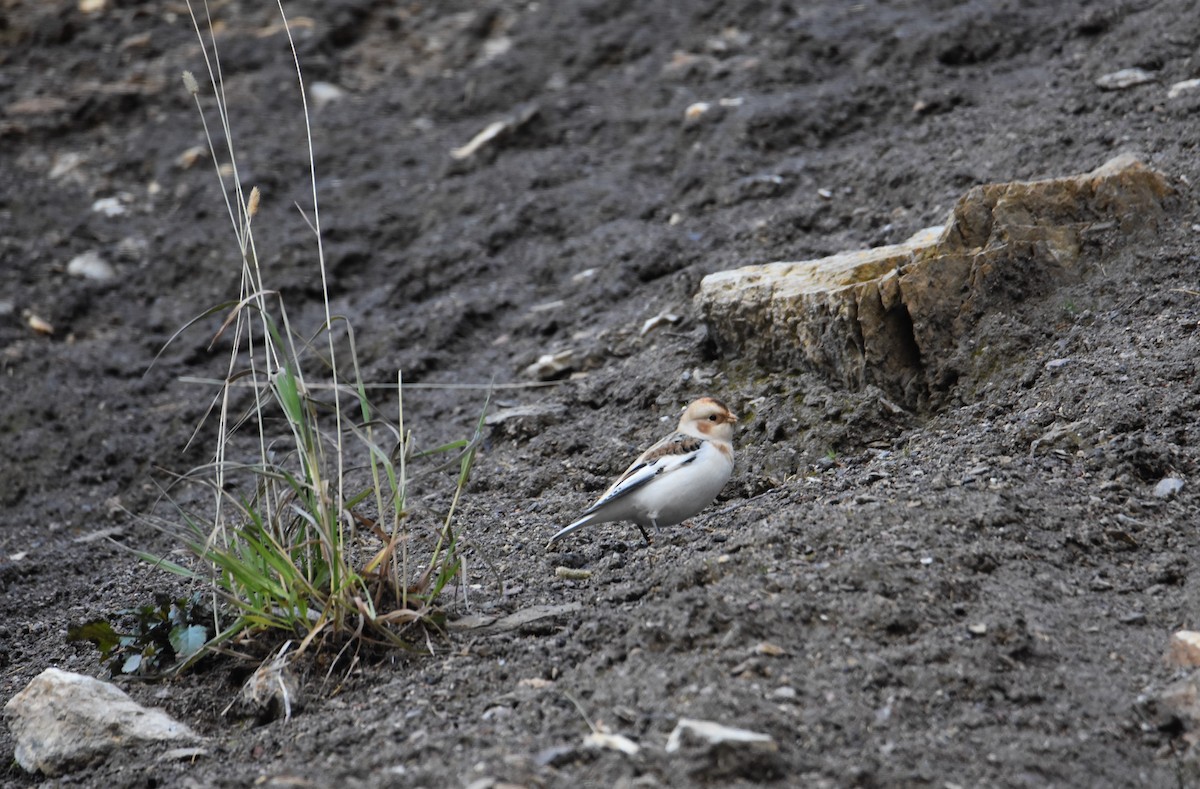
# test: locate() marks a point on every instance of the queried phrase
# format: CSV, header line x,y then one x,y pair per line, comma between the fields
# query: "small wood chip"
x,y
537,683
39,325
489,625
769,649
612,742
572,573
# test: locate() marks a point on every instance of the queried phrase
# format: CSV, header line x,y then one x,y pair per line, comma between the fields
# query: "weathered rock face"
x,y
62,721
893,315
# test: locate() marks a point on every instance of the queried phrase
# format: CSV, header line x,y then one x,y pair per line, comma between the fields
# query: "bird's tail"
x,y
563,532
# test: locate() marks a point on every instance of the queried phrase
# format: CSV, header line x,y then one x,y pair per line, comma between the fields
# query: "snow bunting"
x,y
672,480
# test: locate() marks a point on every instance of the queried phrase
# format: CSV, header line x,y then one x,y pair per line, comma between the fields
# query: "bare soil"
x,y
970,596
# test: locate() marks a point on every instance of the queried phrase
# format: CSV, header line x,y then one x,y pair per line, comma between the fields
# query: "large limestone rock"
x,y
62,721
892,315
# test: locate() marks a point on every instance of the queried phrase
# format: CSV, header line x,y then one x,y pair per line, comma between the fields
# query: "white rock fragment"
x,y
62,720
109,206
324,93
550,365
1183,649
495,47
712,733
1124,79
696,111
1180,88
91,266
1168,487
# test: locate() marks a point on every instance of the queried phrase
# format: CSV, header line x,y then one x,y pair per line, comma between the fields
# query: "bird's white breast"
x,y
679,495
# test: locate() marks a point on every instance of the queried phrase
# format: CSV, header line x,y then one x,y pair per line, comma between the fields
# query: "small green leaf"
x,y
187,641
99,632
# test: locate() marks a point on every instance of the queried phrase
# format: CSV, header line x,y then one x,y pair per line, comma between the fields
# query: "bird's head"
x,y
708,418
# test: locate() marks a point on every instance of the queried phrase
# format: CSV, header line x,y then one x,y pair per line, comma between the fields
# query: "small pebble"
x,y
696,111
769,649
91,266
323,93
109,206
1168,487
1125,78
1179,88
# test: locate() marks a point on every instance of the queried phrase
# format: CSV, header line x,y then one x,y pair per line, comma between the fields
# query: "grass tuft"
x,y
311,533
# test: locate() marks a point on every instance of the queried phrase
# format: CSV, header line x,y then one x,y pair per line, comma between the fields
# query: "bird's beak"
x,y
731,418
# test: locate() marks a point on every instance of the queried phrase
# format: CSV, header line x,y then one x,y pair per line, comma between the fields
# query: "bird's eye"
x,y
712,417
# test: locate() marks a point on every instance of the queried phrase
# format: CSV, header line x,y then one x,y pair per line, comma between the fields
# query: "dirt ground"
x,y
966,597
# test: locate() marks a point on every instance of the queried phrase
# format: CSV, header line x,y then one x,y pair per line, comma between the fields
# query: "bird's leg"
x,y
645,535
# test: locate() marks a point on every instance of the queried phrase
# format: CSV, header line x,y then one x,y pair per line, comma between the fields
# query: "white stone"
x,y
323,93
696,111
90,265
62,720
1180,88
1168,487
109,206
1125,78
